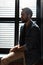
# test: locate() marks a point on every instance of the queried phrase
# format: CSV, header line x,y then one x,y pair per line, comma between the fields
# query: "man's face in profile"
x,y
24,16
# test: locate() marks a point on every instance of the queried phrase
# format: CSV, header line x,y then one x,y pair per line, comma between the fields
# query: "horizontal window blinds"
x,y
7,35
6,12
7,8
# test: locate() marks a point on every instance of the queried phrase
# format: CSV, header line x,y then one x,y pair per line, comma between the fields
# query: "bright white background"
x,y
7,8
28,3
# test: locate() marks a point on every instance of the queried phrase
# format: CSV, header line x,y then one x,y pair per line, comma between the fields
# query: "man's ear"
x,y
29,16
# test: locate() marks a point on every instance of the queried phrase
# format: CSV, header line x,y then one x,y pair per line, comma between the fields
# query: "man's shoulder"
x,y
34,25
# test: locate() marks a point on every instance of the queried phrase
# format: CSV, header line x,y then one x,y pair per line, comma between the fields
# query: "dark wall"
x,y
42,29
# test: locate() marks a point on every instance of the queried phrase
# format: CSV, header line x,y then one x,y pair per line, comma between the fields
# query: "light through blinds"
x,y
7,35
28,3
7,8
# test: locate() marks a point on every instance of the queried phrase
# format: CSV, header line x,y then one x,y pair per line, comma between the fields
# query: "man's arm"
x,y
33,41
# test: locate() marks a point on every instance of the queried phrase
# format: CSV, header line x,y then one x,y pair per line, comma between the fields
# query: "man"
x,y
29,41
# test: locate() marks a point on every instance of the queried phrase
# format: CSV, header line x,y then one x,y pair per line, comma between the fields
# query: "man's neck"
x,y
27,23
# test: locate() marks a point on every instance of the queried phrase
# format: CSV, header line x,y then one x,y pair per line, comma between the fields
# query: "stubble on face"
x,y
24,17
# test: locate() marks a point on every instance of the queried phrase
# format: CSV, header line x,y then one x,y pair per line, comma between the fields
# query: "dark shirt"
x,y
31,38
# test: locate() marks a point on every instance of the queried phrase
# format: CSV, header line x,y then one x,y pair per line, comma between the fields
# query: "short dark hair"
x,y
28,11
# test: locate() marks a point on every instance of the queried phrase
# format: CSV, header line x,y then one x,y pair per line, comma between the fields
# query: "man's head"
x,y
26,14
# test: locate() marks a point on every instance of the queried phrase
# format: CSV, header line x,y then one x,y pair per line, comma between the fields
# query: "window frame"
x,y
17,19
